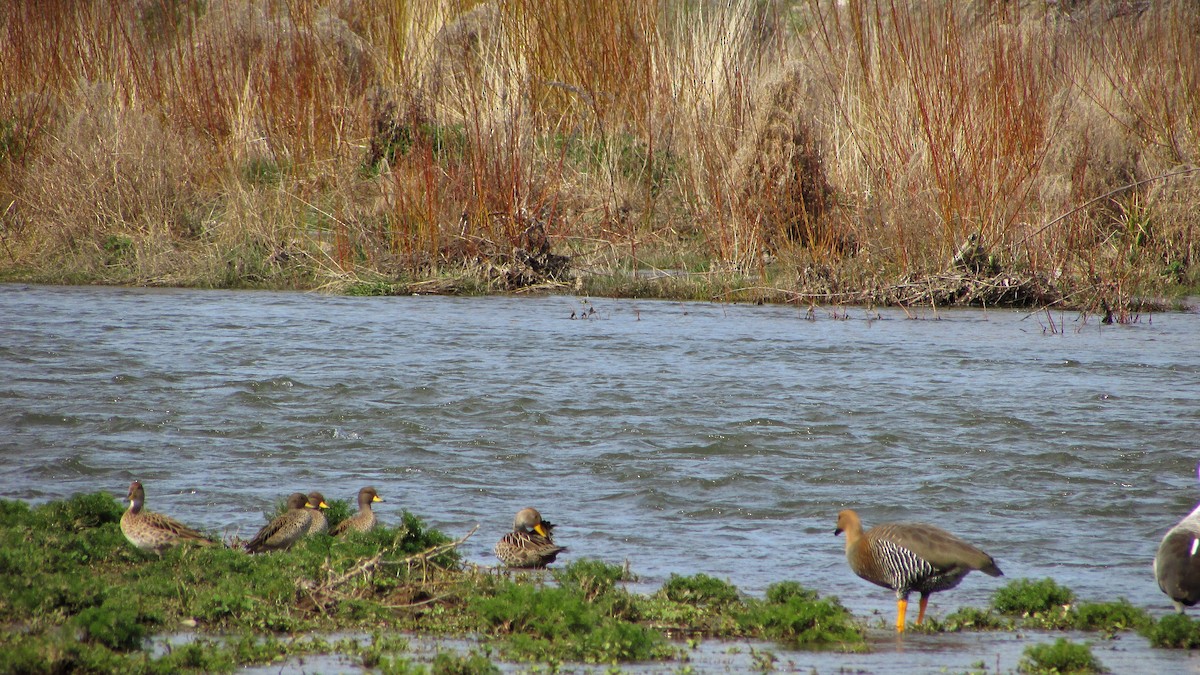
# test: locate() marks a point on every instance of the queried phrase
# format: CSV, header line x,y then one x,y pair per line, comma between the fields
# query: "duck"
x,y
319,524
907,557
151,531
530,545
1176,565
362,521
286,529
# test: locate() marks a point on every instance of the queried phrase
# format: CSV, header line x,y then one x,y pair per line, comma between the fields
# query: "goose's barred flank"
x,y
1177,562
909,557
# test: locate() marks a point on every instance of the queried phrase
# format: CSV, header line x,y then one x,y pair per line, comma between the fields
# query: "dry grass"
x,y
806,151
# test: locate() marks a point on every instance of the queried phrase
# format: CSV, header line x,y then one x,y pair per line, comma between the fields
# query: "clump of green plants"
x,y
699,589
969,618
798,616
1060,657
1044,604
593,578
1110,616
1043,601
1174,631
561,624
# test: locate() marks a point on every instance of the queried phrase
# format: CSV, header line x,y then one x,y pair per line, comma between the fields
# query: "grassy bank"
x,y
77,597
871,151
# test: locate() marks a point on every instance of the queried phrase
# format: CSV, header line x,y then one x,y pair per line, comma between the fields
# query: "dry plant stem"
x,y
1106,195
368,565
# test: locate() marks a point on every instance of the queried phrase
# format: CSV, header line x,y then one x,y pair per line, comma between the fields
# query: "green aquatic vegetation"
x,y
699,589
1060,657
799,617
1110,616
116,624
969,618
560,624
445,663
1026,597
593,578
1173,631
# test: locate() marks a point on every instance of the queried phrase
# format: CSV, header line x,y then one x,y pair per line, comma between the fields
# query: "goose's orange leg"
x,y
921,614
901,609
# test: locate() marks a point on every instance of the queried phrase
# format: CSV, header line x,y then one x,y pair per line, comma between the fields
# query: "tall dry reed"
x,y
810,149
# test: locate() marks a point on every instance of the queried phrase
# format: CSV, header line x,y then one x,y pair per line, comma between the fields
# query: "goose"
x,y
907,557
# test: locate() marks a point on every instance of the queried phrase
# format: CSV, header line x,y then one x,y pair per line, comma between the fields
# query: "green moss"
x,y
1060,657
1174,631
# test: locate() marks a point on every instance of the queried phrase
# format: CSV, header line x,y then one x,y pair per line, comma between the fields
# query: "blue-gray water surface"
x,y
682,437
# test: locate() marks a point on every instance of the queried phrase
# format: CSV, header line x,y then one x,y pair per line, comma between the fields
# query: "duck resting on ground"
x,y
530,545
285,529
319,523
362,521
907,557
151,531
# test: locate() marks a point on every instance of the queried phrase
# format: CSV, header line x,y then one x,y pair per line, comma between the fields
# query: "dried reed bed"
x,y
808,151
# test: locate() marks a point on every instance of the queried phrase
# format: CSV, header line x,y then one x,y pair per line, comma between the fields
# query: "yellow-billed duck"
x,y
531,542
151,531
286,529
907,557
319,523
364,520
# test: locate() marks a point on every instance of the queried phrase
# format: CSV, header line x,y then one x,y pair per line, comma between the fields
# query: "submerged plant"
x,y
561,624
799,617
1174,631
1059,657
1026,597
1110,616
699,589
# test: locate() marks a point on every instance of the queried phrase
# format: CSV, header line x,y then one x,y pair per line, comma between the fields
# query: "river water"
x,y
682,437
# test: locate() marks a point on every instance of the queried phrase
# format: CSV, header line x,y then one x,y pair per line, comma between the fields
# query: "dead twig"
x,y
368,565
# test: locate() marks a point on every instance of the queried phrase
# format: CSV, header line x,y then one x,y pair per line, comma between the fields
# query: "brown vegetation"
x,y
814,151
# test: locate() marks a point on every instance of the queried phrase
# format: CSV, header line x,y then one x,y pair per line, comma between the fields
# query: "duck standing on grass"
x,y
286,529
319,523
362,521
530,545
907,557
153,531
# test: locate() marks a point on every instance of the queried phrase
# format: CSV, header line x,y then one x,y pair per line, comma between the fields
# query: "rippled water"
x,y
684,437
